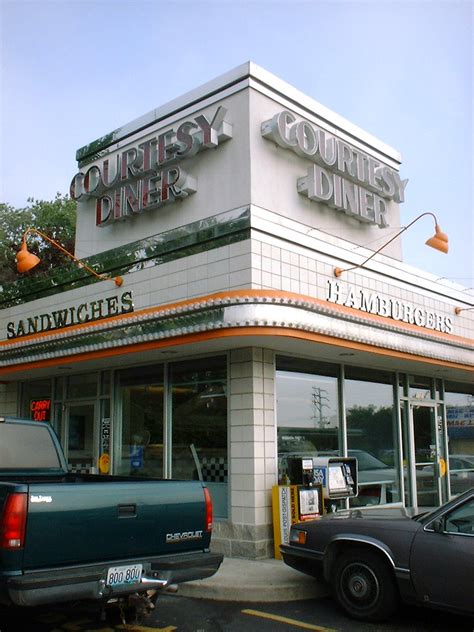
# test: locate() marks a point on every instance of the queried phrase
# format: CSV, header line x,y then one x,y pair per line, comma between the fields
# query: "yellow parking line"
x,y
298,624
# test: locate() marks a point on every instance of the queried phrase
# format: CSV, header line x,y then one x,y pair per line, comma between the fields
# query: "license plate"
x,y
119,575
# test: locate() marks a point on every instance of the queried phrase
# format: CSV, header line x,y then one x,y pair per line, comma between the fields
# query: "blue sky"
x,y
74,70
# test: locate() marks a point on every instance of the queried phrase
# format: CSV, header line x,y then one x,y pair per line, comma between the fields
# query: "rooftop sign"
x,y
148,175
343,177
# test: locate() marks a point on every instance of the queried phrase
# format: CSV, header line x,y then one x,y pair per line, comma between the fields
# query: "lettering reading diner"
x,y
147,176
344,177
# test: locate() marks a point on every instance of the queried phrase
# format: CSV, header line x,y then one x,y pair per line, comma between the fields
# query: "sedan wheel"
x,y
364,585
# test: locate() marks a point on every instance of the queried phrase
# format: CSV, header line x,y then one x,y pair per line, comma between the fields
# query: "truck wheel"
x,y
364,586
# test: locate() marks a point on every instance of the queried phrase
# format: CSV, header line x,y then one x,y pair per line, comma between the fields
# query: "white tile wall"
x,y
253,437
281,265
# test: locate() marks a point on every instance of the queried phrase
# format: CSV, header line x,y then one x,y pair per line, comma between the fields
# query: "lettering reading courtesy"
x,y
344,177
84,313
147,176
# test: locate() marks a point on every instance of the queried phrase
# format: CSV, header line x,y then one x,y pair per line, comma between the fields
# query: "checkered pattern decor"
x,y
214,469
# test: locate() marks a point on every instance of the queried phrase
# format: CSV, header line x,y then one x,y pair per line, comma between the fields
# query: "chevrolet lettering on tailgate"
x,y
185,535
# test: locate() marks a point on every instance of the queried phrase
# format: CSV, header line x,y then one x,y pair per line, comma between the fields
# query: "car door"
x,y
442,559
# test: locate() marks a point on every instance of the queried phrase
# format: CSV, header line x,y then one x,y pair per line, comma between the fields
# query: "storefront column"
x,y
252,454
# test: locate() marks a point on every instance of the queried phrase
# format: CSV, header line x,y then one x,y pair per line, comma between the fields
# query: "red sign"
x,y
40,409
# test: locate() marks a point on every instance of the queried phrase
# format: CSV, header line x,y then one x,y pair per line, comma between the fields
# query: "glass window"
x,y
372,435
80,446
140,394
33,447
56,422
439,389
79,386
105,383
199,418
459,399
407,474
461,519
426,445
58,388
36,400
307,411
420,387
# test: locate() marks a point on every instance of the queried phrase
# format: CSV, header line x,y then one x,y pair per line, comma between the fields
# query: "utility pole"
x,y
319,399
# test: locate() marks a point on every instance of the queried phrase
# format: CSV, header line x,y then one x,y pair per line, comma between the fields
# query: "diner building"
x,y
236,310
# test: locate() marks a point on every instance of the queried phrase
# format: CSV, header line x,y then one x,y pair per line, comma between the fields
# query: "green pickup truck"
x,y
68,537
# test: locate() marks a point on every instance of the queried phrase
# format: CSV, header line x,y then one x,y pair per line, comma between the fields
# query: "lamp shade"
x,y
439,241
26,260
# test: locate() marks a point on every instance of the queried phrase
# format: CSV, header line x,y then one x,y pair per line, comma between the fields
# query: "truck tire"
x,y
364,585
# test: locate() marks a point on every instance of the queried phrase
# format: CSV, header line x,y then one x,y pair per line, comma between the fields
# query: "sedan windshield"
x,y
366,461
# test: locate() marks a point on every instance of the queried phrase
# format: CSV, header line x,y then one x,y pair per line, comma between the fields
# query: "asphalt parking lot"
x,y
175,613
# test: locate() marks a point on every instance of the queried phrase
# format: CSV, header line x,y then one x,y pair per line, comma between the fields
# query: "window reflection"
x,y
80,449
421,387
141,398
307,411
372,435
79,386
426,469
34,391
461,519
199,418
459,401
197,409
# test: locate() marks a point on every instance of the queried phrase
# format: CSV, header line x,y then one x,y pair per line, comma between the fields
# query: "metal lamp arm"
x,y
102,277
389,242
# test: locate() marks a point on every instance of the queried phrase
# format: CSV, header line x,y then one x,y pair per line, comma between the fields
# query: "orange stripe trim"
x,y
232,333
278,294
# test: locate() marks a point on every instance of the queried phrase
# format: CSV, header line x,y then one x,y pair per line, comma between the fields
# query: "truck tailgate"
x,y
79,522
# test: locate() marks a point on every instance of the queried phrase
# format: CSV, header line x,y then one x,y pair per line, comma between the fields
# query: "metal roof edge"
x,y
175,105
248,70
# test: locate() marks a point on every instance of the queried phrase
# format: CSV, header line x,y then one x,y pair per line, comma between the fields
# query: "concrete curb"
x,y
255,580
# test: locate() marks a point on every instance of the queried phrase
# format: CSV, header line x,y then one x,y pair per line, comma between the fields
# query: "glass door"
x,y
427,455
80,444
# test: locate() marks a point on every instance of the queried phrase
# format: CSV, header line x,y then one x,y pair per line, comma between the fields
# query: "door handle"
x,y
127,511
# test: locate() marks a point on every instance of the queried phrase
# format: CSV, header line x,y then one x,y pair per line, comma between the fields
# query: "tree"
x,y
56,219
370,427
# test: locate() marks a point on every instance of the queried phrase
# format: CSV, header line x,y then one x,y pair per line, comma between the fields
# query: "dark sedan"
x,y
374,558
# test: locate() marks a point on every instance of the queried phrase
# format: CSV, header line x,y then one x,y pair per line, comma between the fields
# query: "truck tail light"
x,y
207,498
13,522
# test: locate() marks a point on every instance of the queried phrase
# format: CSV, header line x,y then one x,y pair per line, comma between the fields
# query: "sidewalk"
x,y
254,580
